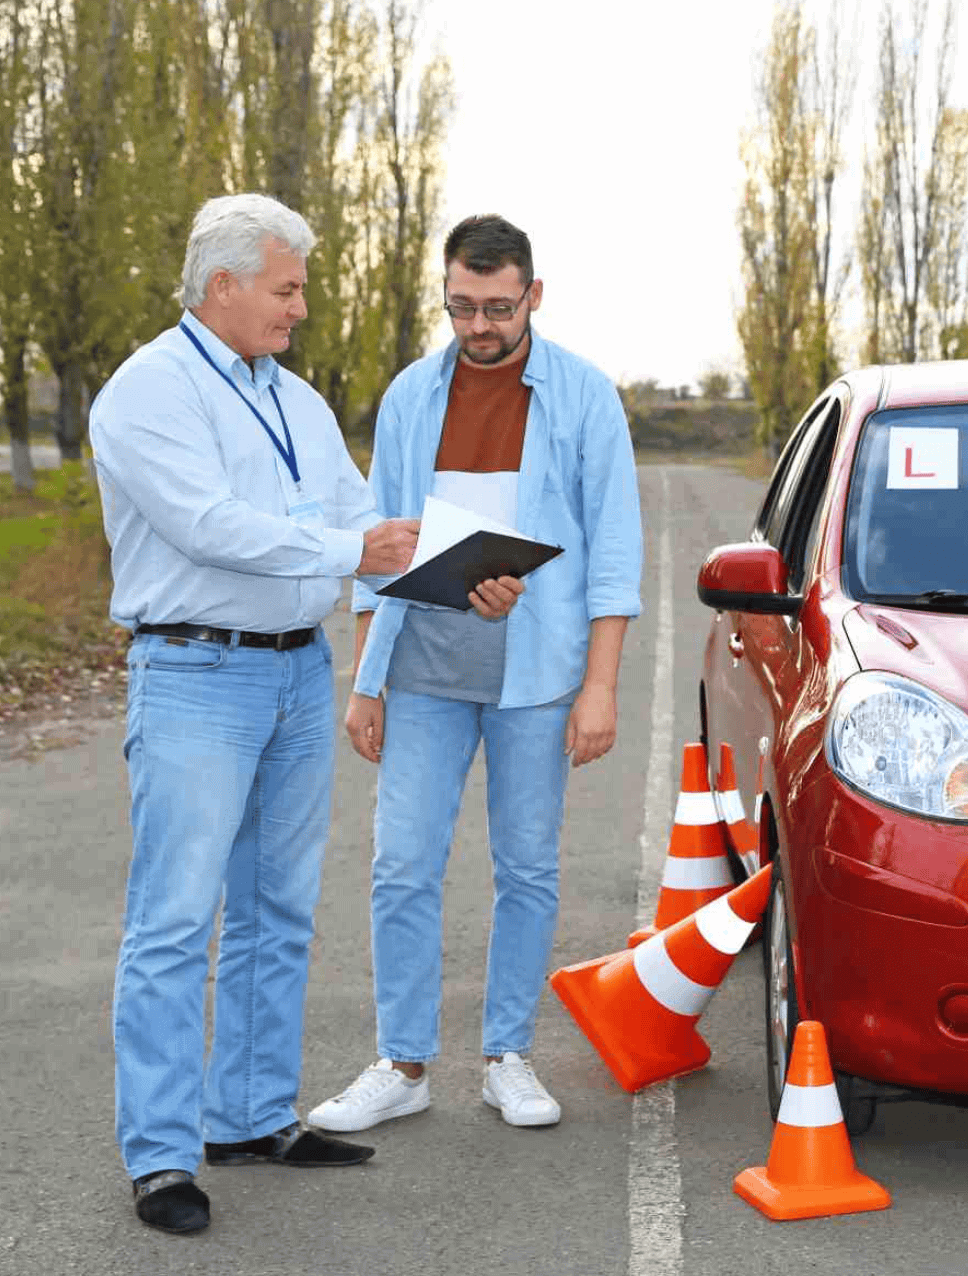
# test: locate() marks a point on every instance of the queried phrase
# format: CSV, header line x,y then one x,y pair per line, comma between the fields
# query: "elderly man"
x,y
233,509
514,427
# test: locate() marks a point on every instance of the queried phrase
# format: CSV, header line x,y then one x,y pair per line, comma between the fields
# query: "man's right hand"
x,y
388,547
364,722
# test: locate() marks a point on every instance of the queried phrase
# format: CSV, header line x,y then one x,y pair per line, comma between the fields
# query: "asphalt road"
x,y
622,1187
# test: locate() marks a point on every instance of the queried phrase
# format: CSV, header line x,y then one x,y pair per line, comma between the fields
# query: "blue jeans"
x,y
230,756
429,743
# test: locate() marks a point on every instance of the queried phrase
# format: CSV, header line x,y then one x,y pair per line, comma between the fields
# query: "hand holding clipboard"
x,y
457,549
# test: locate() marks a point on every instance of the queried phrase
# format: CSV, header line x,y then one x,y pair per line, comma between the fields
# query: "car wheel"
x,y
782,1011
783,1015
859,1110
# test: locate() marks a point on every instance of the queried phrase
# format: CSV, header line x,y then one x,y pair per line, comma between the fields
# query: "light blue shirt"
x,y
577,488
205,521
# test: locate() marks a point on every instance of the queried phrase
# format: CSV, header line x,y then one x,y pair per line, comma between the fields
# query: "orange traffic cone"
x,y
810,1172
639,1008
742,834
696,868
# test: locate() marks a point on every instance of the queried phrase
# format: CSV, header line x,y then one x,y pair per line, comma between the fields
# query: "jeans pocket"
x,y
186,654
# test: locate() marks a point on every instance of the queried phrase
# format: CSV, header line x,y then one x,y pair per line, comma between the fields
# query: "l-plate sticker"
x,y
922,458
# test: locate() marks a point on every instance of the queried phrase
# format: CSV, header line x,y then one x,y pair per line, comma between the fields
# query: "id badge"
x,y
307,512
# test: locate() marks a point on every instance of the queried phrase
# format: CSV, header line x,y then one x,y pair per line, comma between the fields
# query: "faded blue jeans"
x,y
429,743
230,757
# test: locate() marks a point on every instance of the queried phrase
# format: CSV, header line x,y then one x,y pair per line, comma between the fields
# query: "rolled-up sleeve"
x,y
610,505
384,487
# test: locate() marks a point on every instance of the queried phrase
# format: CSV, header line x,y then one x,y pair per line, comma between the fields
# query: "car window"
x,y
798,535
908,505
773,511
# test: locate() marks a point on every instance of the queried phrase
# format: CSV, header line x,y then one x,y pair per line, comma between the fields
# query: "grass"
x,y
55,583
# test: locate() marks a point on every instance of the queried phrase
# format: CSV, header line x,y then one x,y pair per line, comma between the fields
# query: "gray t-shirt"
x,y
456,654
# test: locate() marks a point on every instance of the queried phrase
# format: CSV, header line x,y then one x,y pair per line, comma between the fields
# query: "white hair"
x,y
230,232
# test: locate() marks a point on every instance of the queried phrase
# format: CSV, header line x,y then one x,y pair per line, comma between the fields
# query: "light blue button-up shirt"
x,y
205,521
577,488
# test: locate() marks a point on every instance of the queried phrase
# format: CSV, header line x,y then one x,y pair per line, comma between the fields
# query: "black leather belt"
x,y
206,633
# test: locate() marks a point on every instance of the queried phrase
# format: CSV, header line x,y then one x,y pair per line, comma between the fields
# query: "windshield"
x,y
907,511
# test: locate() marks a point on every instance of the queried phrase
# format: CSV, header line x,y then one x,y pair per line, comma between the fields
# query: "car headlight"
x,y
902,744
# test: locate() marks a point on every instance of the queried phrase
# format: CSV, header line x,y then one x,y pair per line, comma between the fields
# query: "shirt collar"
x,y
265,370
535,366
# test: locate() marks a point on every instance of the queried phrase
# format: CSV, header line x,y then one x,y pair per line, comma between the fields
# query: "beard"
x,y
494,348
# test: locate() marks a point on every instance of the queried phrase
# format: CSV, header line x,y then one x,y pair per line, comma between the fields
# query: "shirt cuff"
x,y
344,552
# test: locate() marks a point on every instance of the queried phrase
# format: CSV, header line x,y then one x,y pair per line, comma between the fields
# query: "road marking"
x,y
655,1180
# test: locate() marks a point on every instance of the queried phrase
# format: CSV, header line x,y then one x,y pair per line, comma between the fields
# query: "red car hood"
x,y
928,647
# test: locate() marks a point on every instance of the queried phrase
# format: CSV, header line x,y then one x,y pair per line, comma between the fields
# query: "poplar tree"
x,y
15,253
912,227
794,273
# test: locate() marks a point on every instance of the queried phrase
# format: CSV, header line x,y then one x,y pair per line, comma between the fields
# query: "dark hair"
x,y
485,242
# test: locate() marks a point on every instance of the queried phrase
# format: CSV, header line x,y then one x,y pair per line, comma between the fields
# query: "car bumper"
x,y
883,955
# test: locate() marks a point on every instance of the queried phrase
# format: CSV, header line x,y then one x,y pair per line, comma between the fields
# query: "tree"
x,y
794,277
119,117
714,383
15,256
947,266
914,192
829,80
776,236
83,63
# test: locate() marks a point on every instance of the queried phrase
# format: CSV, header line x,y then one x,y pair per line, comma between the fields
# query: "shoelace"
x,y
519,1078
372,1081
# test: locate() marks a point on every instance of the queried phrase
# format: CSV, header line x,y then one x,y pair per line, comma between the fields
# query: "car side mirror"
x,y
750,576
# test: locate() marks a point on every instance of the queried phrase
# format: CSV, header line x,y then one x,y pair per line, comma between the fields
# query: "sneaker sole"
x,y
351,1125
493,1102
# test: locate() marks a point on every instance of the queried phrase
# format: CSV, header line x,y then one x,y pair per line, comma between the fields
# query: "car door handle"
x,y
735,645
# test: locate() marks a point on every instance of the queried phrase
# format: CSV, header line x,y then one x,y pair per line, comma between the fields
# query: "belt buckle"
x,y
279,642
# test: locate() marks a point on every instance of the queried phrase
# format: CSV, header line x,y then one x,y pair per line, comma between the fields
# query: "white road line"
x,y
655,1181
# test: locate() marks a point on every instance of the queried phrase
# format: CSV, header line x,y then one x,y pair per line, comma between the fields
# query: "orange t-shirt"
x,y
486,414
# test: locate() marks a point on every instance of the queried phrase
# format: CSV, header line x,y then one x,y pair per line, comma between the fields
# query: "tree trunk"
x,y
21,466
70,412
17,416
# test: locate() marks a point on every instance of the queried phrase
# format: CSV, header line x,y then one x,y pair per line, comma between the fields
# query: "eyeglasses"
x,y
497,311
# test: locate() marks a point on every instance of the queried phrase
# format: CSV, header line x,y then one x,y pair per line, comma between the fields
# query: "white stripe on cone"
x,y
696,809
810,1106
683,873
662,978
731,806
721,928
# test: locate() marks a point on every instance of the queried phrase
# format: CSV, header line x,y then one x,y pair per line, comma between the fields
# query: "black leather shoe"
x,y
292,1146
170,1201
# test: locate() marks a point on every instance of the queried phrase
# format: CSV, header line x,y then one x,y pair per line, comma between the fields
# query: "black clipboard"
x,y
448,577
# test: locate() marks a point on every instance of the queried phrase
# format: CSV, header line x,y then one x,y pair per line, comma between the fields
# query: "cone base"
x,y
787,1201
580,991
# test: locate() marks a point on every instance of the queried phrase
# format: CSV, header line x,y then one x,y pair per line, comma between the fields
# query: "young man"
x,y
232,508
512,426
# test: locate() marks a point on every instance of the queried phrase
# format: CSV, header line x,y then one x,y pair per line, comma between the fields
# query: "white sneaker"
x,y
378,1094
512,1086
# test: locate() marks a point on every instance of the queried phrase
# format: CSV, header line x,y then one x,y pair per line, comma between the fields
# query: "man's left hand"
x,y
591,728
493,599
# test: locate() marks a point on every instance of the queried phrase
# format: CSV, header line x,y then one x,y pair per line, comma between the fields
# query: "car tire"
x,y
783,1015
782,1010
859,1110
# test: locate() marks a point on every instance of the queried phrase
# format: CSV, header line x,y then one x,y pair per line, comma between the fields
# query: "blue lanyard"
x,y
288,453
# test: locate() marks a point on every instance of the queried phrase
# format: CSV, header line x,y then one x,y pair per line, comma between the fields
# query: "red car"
x,y
836,671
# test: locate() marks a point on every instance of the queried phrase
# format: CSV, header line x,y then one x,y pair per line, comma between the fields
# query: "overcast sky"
x,y
610,132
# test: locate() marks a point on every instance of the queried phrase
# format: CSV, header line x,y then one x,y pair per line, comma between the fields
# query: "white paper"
x,y
443,525
922,458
